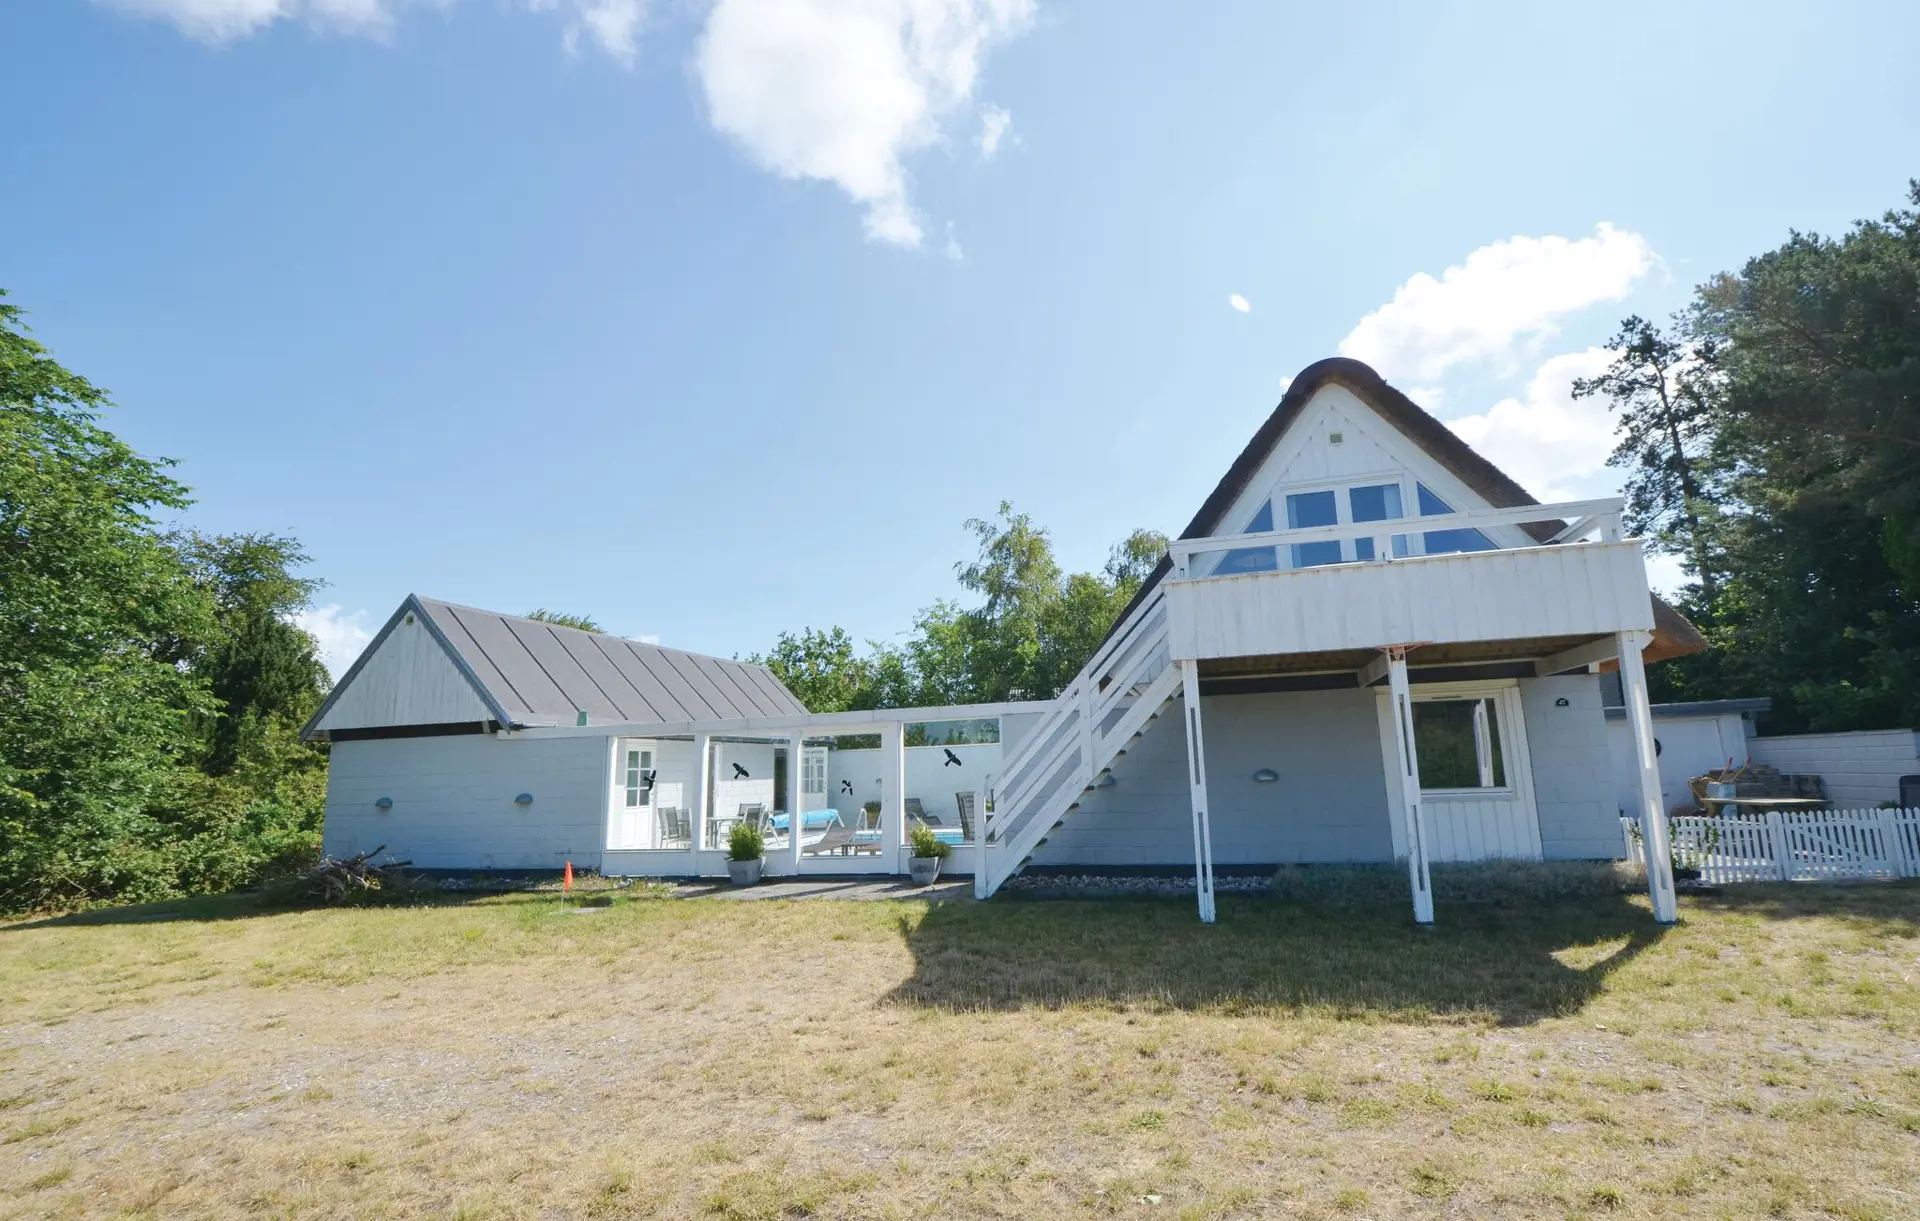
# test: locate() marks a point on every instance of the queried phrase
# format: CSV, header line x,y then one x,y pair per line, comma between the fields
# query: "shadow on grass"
x,y
1265,955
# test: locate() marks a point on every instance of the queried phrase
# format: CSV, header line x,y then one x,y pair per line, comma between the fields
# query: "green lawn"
x,y
497,1058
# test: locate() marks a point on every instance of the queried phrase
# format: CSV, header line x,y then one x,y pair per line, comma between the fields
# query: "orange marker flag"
x,y
566,882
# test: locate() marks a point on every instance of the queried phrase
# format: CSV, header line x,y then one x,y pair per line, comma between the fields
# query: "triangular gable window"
x,y
1442,542
1251,559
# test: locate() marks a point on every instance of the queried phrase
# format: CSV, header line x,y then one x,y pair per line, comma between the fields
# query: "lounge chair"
x,y
965,802
918,813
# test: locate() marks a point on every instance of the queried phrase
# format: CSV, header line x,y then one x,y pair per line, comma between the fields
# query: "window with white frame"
x,y
1458,741
638,777
1361,502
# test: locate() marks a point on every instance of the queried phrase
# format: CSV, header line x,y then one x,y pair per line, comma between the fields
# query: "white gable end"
x,y
1338,442
408,680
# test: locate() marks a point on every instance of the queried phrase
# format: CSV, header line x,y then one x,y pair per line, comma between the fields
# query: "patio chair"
x,y
754,813
674,823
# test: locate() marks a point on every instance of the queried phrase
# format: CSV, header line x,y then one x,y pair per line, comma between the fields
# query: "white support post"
x,y
796,798
1408,756
1197,787
893,795
980,844
702,798
614,804
1653,816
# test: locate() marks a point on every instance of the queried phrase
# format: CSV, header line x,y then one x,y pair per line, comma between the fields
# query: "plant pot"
x,y
744,873
923,869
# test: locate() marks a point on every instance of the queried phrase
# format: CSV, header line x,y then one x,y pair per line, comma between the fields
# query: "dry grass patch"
x,y
494,1059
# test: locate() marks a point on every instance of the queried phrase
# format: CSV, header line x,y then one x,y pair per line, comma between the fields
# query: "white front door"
x,y
632,823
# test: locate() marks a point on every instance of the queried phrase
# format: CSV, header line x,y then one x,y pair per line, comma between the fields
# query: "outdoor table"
x,y
1762,804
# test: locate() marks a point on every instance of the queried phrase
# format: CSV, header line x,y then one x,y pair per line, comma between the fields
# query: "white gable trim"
x,y
408,675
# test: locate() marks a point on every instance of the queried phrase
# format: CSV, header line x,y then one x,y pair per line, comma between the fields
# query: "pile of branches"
x,y
338,880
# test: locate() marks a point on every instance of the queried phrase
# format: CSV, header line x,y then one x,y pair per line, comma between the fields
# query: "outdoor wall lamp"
x,y
1265,775
385,803
524,799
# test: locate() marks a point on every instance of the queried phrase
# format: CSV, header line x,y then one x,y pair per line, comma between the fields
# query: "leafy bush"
x,y
926,843
747,842
1499,883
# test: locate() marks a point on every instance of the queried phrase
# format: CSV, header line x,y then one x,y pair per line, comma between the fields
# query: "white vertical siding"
x,y
1518,593
1473,826
453,804
409,680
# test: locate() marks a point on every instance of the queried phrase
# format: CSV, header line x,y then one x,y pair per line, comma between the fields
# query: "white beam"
x,y
776,728
1580,656
1652,813
1408,759
1197,789
1373,671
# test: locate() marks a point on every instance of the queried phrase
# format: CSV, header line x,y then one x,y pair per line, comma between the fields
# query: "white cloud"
x,y
994,122
224,20
341,635
1504,299
648,639
841,91
1239,302
954,251
1554,445
613,25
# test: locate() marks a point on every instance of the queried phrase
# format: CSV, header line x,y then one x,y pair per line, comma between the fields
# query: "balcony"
x,y
1547,592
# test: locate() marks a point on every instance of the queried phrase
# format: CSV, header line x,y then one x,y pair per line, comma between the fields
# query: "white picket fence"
x,y
1803,845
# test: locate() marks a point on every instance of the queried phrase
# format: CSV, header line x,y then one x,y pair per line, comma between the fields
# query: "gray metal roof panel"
x,y
584,647
540,672
684,665
542,641
733,687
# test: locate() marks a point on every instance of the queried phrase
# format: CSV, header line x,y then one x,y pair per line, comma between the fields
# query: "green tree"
x,y
1032,632
257,663
1663,387
95,709
1816,437
562,619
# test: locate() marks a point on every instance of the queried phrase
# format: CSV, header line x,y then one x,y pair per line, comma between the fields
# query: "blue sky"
x,y
714,319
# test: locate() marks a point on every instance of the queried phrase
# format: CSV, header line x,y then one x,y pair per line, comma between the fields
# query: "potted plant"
x,y
928,851
745,846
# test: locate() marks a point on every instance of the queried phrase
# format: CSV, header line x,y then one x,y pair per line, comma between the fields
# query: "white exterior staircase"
x,y
1121,690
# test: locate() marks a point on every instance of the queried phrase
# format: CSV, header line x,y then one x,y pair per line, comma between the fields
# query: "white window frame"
x,y
1505,694
813,771
635,763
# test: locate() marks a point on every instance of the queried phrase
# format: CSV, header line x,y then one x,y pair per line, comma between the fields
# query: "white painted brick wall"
x,y
1572,768
453,802
1858,770
1330,803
